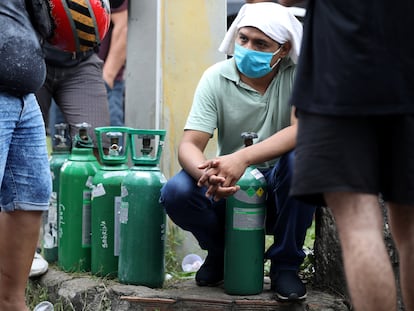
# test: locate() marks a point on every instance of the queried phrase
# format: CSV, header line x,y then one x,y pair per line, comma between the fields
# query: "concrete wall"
x,y
170,44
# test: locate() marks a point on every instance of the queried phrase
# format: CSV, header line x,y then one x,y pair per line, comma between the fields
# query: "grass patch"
x,y
35,294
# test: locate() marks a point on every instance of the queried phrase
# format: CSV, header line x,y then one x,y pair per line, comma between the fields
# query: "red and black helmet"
x,y
79,25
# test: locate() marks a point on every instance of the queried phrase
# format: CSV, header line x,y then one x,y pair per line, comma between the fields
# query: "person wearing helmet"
x,y
112,51
74,77
24,169
248,92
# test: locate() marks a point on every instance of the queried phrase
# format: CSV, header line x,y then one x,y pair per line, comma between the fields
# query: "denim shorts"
x,y
360,154
24,167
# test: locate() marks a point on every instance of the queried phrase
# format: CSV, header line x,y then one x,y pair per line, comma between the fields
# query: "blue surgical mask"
x,y
254,64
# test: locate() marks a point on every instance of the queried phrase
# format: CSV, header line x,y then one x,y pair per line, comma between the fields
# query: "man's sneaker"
x,y
39,266
44,306
211,272
288,286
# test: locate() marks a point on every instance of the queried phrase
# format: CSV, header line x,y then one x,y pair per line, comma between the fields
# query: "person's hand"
x,y
213,182
221,175
108,80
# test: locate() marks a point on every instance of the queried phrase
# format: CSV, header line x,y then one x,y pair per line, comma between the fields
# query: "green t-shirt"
x,y
223,102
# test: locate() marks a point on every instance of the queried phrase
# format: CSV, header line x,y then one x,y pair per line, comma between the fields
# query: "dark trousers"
x,y
287,218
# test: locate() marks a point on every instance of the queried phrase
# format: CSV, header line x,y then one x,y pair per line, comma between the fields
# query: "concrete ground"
x,y
85,292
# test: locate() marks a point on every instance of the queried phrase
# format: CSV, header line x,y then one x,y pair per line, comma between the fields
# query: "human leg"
x,y
25,190
81,95
401,219
19,231
367,265
116,103
293,218
188,207
398,179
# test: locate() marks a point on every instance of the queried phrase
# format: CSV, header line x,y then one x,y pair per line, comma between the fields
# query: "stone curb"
x,y
89,293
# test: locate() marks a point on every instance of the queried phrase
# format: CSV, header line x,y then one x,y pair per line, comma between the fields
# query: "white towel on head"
x,y
274,20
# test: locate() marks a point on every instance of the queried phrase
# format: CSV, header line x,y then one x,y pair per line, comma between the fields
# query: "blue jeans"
x,y
24,167
116,102
287,218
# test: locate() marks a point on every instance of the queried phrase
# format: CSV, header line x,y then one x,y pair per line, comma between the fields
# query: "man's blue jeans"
x,y
116,102
287,218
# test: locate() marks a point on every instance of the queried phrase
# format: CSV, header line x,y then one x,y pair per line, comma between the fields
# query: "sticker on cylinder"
x,y
98,191
248,218
251,195
123,215
86,218
257,174
124,191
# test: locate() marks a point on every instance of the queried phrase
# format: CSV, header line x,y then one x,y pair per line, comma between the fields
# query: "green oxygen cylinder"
x,y
143,219
106,201
76,177
60,152
245,232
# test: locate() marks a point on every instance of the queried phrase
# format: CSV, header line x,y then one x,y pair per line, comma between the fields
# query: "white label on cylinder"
x,y
248,218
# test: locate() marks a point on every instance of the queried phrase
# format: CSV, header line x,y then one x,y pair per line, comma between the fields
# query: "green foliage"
x,y
35,294
49,145
307,267
310,236
174,239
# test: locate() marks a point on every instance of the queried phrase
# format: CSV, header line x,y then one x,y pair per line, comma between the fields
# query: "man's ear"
x,y
285,48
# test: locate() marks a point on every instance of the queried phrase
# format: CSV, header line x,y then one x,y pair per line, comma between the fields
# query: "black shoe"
x,y
211,272
288,286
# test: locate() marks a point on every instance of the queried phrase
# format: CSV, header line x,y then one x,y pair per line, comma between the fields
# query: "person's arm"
x,y
191,151
117,51
223,172
274,146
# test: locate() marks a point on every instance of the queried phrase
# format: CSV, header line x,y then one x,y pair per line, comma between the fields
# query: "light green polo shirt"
x,y
223,102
